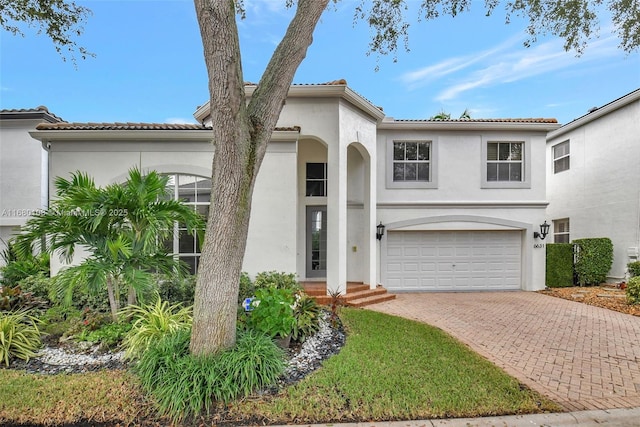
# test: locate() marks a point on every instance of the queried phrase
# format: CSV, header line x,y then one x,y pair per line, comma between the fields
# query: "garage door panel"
x,y
453,260
428,266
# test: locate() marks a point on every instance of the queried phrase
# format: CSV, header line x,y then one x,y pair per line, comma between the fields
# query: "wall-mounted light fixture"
x,y
379,231
544,230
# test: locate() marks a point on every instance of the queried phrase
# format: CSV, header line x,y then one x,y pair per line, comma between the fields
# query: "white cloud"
x,y
421,77
501,65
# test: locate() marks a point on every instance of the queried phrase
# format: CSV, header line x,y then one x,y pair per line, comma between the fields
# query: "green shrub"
x,y
307,315
59,320
633,290
177,289
634,268
152,322
109,335
272,312
559,271
247,290
273,279
19,336
39,285
593,260
13,298
19,267
186,385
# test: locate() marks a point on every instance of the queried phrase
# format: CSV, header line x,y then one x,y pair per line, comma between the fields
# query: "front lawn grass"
x,y
390,369
398,369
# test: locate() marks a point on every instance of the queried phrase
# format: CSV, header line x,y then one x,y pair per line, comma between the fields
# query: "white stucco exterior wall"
x,y
272,231
600,193
23,167
457,192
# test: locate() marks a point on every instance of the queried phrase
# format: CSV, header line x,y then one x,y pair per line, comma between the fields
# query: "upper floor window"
x,y
316,180
412,161
194,191
504,161
506,164
561,157
561,230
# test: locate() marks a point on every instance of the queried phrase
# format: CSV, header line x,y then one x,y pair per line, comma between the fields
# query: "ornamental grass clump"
x,y
184,385
633,290
153,322
19,336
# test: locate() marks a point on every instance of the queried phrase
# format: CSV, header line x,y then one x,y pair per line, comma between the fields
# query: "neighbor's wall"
x,y
23,164
600,193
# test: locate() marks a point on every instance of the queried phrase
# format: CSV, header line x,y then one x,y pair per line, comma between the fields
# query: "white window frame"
x,y
175,183
525,181
433,164
565,232
557,159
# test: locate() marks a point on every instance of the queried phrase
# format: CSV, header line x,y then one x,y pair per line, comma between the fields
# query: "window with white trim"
x,y
412,161
561,158
316,180
561,230
194,191
505,161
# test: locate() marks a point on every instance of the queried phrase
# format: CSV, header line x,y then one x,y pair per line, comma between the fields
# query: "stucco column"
x,y
337,218
370,212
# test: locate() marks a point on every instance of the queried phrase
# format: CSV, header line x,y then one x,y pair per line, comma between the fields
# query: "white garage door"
x,y
453,260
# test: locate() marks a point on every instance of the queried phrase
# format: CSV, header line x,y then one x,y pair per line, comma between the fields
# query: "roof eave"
x,y
468,126
310,91
39,115
91,135
596,114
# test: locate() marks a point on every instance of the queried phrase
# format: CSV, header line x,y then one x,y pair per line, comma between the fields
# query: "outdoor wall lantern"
x,y
379,231
544,230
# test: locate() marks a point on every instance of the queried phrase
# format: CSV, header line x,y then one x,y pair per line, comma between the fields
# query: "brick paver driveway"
x,y
582,357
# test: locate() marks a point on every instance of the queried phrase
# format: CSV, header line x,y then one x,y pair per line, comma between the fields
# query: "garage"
x,y
453,260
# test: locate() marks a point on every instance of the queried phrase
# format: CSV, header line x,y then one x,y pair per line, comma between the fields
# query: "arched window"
x,y
194,191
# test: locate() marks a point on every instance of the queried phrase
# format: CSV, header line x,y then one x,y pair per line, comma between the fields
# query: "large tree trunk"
x,y
240,136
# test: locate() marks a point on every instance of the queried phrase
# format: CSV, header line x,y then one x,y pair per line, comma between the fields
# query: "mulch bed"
x,y
605,296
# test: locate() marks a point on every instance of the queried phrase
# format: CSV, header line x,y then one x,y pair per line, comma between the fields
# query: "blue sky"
x,y
149,65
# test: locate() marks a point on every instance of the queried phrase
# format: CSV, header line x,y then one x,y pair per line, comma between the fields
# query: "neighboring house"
x,y
23,169
460,199
593,179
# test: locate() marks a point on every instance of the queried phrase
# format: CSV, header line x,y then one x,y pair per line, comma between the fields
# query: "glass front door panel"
x,y
316,241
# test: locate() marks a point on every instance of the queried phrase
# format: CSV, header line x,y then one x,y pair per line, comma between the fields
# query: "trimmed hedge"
x,y
559,265
634,268
593,260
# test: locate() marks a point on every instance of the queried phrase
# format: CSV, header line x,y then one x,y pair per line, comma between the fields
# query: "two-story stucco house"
x,y
23,169
460,200
593,179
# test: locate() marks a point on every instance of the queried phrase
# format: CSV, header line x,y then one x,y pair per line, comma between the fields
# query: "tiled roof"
x,y
504,120
40,109
120,126
137,126
338,82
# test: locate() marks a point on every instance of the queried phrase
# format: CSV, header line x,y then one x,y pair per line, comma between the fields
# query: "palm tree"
x,y
122,228
442,115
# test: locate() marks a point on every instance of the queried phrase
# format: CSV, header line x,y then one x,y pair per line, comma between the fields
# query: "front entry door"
x,y
316,241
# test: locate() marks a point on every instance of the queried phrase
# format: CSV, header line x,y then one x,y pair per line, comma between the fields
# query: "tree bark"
x,y
113,300
240,136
